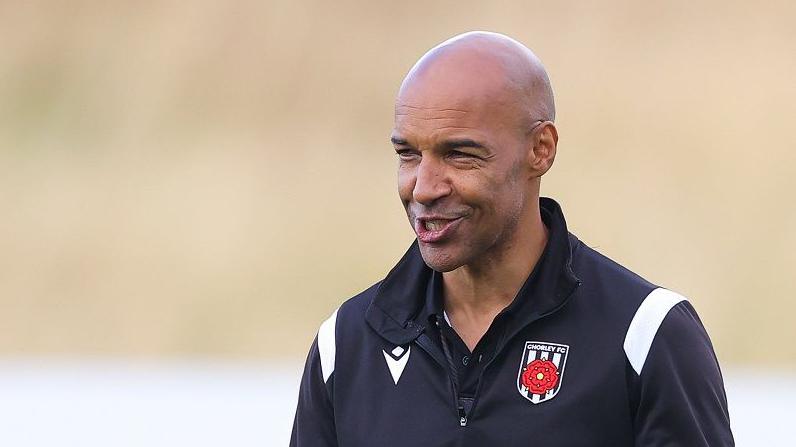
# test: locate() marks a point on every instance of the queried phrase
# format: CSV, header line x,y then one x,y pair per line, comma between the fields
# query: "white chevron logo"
x,y
397,361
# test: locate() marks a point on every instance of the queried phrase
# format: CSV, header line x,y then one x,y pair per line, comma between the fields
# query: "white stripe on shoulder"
x,y
326,345
645,324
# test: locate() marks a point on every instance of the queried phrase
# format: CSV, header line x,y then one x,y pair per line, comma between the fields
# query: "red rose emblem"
x,y
540,376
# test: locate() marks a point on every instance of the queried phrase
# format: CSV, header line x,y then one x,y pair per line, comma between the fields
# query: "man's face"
x,y
462,174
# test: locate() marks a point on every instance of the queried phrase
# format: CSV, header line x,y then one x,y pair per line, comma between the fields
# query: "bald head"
x,y
487,66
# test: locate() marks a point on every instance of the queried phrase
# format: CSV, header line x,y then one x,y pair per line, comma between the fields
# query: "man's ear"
x,y
545,141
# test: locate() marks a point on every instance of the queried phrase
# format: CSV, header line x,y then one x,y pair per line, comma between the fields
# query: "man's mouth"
x,y
435,229
435,225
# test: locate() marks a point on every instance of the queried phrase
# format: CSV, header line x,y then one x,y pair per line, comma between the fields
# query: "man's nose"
x,y
431,183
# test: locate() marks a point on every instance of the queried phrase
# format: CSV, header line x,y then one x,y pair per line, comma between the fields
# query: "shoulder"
x,y
660,306
348,317
637,308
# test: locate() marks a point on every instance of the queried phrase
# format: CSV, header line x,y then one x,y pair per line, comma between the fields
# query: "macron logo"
x,y
396,361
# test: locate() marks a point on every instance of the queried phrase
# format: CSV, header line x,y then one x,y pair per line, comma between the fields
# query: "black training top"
x,y
587,354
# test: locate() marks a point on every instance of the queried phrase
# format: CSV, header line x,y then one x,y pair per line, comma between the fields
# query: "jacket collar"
x,y
404,300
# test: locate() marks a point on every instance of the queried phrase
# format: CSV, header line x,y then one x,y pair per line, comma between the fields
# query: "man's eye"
x,y
407,154
460,155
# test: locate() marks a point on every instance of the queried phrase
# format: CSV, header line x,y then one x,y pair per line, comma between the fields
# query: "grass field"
x,y
103,403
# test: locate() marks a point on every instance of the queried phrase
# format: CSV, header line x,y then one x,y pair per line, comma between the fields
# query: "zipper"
x,y
460,409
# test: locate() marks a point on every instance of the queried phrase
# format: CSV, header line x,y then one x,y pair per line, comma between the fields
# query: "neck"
x,y
480,291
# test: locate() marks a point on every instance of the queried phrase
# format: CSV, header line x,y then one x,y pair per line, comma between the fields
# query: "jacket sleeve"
x,y
314,425
679,392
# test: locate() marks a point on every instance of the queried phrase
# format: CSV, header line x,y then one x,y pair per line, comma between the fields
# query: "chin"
x,y
440,259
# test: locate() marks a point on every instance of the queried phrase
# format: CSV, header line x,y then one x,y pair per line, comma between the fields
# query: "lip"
x,y
429,236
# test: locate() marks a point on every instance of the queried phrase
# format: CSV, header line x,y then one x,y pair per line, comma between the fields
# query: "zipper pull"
x,y
464,406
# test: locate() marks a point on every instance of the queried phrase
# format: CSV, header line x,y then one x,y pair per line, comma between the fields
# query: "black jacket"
x,y
588,354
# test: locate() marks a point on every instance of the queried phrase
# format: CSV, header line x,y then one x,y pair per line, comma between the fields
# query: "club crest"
x,y
541,370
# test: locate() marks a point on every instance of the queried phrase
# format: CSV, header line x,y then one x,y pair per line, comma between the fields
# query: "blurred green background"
x,y
211,179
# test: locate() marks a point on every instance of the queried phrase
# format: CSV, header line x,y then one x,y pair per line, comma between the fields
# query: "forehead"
x,y
429,108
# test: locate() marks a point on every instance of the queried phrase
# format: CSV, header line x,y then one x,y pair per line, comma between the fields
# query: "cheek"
x,y
479,189
495,198
509,190
406,184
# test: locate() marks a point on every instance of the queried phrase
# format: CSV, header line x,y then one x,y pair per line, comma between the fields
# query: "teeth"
x,y
434,225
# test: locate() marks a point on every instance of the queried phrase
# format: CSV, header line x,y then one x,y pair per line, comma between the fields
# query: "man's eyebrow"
x,y
447,144
462,142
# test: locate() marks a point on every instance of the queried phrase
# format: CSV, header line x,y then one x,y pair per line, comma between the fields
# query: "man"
x,y
498,327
